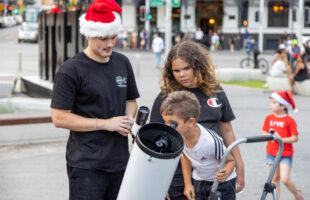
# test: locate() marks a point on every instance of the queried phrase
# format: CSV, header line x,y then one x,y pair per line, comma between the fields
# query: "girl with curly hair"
x,y
189,67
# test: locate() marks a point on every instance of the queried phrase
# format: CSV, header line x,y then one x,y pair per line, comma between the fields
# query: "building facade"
x,y
265,20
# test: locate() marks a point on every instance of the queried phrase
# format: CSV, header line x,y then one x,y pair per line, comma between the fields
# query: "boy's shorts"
x,y
287,160
203,188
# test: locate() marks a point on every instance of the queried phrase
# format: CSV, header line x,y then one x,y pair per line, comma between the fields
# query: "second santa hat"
x,y
285,98
101,19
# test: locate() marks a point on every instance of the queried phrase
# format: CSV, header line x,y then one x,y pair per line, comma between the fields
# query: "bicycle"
x,y
248,62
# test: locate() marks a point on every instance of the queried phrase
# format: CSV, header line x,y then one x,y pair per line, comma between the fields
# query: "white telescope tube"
x,y
152,163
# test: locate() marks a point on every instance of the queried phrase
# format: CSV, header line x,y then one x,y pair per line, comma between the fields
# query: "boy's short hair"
x,y
184,104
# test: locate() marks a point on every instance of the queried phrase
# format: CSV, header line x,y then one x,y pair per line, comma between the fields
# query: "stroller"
x,y
269,187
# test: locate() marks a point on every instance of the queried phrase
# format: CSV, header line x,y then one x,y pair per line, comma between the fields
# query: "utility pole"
x,y
300,22
147,23
261,35
168,28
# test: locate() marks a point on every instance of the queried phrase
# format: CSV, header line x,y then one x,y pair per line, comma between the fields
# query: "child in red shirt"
x,y
284,126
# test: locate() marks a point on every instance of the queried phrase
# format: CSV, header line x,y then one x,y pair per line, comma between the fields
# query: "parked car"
x,y
7,21
28,32
1,22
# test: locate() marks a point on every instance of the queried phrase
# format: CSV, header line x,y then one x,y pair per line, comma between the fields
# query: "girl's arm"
x,y
265,133
299,67
229,166
292,139
189,190
229,137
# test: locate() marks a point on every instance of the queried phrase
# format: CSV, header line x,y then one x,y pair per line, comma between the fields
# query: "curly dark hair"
x,y
199,59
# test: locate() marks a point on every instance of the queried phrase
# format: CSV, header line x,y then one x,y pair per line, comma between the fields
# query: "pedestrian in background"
x,y
143,39
232,43
301,72
280,66
285,127
189,67
198,35
157,47
94,96
134,36
246,38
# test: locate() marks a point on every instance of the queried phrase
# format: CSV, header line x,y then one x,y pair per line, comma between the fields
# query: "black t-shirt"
x,y
213,111
95,90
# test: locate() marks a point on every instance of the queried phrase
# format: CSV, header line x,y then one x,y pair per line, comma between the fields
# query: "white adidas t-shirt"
x,y
206,154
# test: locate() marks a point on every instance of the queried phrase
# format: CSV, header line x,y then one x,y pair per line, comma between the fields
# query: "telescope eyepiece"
x,y
162,144
174,124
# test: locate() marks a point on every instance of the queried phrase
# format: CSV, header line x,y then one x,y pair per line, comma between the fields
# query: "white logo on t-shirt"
x,y
214,102
121,81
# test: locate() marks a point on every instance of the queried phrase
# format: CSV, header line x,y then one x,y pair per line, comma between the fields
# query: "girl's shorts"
x,y
287,160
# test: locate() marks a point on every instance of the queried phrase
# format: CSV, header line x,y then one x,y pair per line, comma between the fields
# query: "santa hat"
x,y
101,19
285,98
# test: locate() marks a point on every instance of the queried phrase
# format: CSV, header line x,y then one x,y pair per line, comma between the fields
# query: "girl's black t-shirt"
x,y
95,90
213,110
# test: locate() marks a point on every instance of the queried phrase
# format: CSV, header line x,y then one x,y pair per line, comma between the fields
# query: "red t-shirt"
x,y
286,127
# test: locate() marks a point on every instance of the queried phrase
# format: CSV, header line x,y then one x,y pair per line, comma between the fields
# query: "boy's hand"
x,y
222,175
189,192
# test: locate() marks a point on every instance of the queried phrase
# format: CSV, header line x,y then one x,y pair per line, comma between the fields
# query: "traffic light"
x,y
10,8
149,16
142,13
257,16
15,11
294,15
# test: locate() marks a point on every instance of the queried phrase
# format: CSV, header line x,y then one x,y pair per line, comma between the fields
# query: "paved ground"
x,y
37,171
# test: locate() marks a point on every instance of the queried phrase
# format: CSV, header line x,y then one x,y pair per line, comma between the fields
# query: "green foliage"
x,y
253,84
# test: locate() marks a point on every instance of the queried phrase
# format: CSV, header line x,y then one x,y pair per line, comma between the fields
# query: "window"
x,y
278,14
307,14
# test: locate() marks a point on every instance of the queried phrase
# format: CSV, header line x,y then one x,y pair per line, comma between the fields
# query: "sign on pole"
x,y
161,3
157,3
175,3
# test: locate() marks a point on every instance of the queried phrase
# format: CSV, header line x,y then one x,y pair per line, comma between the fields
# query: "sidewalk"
x,y
38,171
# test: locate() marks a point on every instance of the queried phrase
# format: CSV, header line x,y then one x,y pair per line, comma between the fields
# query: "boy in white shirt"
x,y
203,151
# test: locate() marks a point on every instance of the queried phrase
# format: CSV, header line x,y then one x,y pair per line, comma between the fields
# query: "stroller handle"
x,y
262,138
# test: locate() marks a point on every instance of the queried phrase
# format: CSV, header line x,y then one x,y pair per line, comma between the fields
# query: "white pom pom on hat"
x,y
101,19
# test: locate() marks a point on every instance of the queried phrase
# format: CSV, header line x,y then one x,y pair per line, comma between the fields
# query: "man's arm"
x,y
131,108
66,119
229,137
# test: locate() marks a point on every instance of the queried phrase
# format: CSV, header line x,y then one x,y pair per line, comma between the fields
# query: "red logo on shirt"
x,y
214,102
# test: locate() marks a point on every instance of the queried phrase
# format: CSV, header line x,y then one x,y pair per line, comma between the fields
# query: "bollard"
x,y
137,64
19,63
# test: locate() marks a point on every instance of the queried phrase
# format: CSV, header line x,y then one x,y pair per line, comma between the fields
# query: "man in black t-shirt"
x,y
94,96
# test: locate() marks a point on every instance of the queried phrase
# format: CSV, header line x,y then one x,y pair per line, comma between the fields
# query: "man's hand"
x,y
189,192
120,124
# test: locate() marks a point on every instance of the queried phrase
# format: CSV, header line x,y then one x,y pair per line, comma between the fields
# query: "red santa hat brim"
x,y
100,29
285,98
